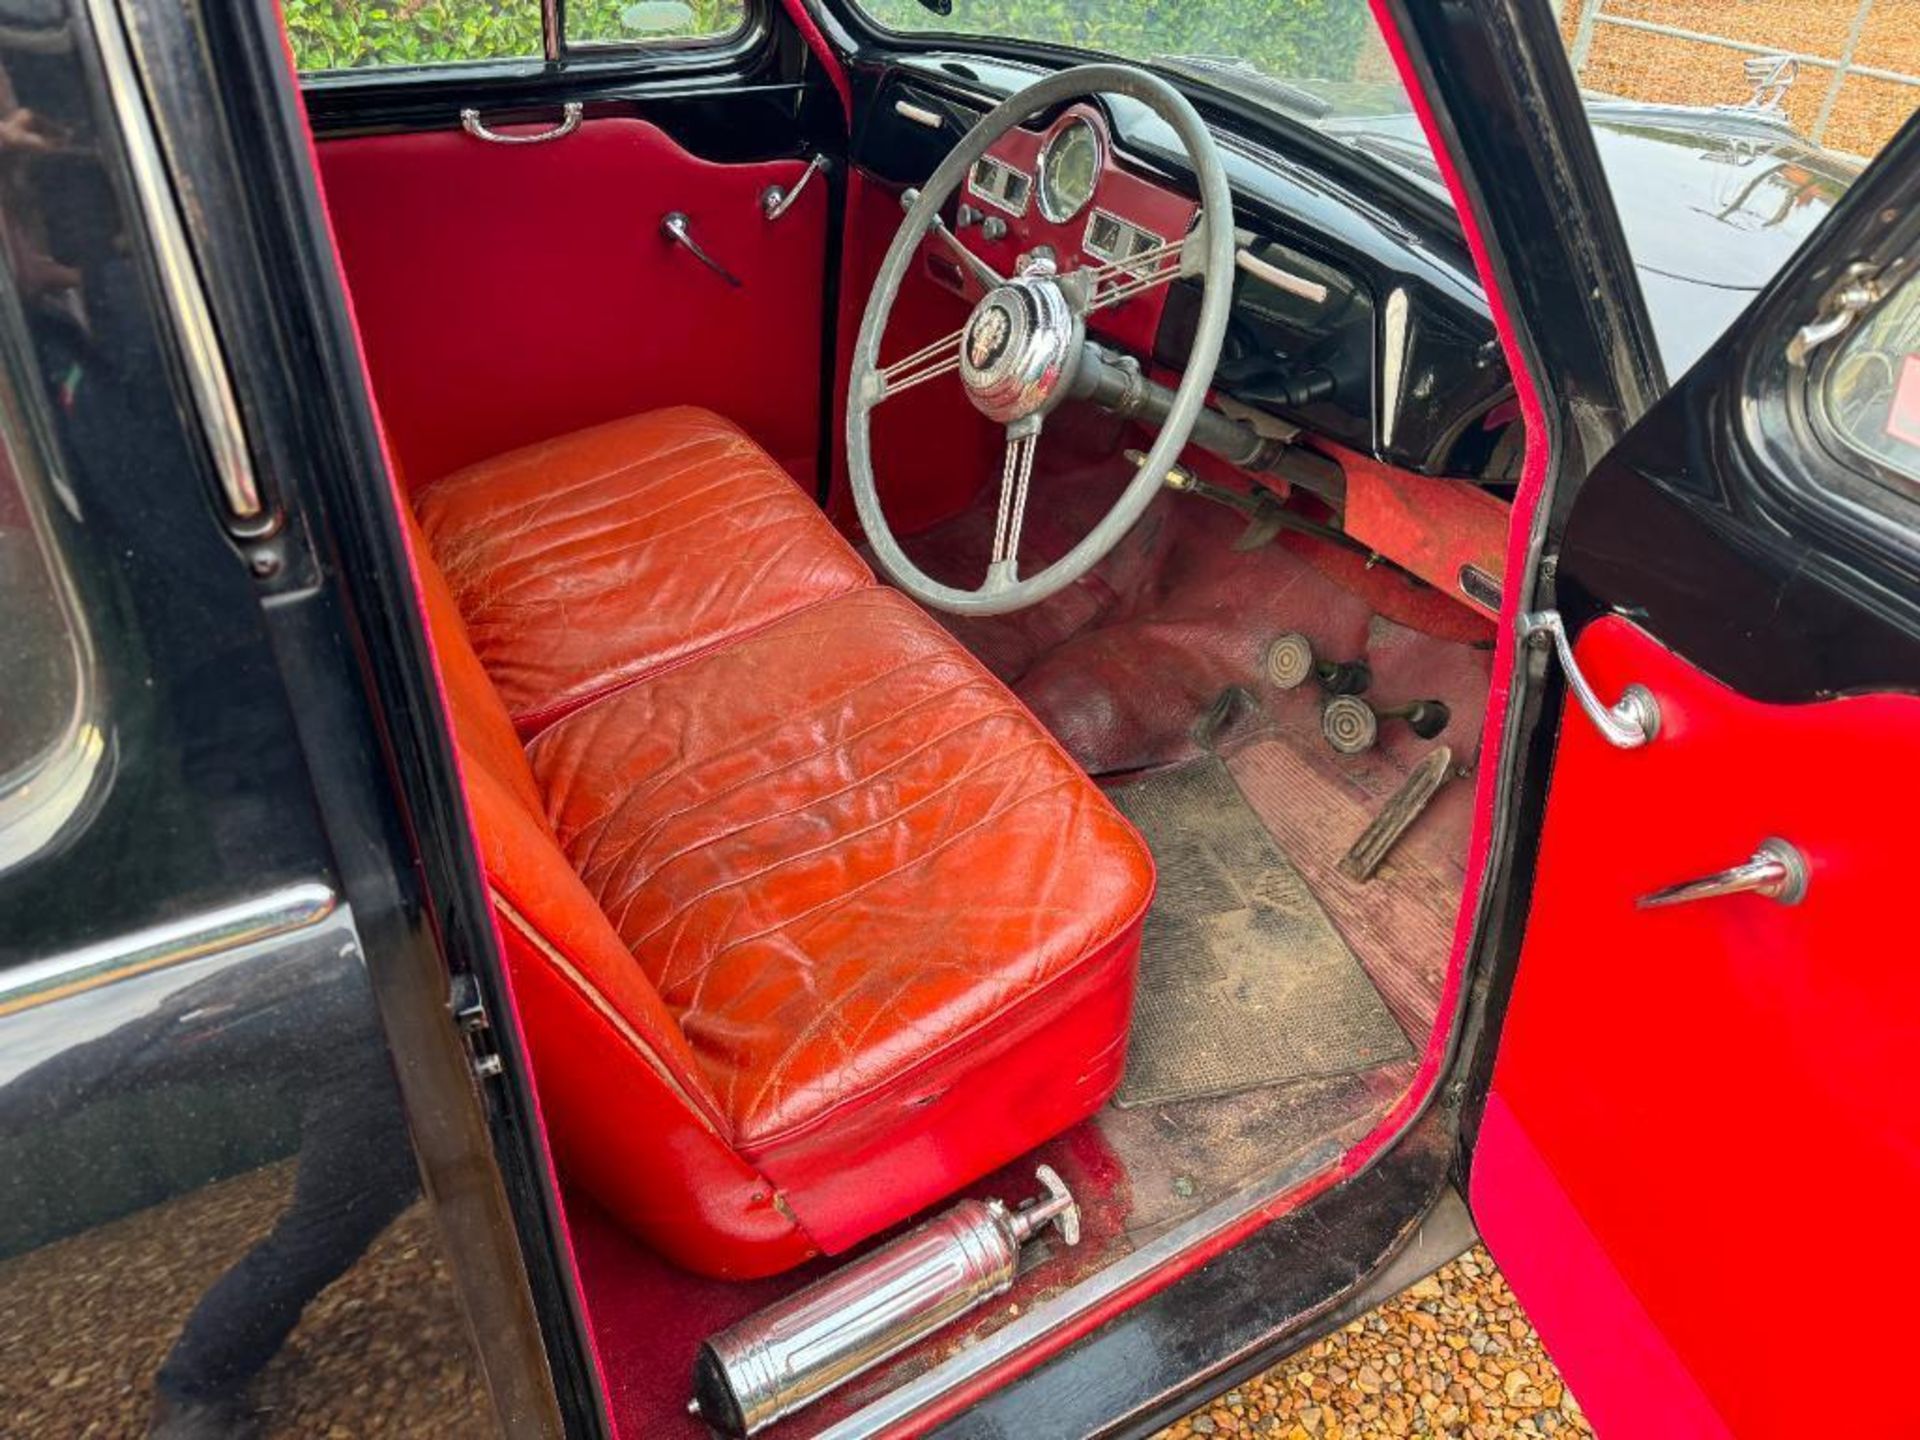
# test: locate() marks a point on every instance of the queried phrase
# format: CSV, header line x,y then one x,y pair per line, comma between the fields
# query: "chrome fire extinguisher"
x,y
790,1354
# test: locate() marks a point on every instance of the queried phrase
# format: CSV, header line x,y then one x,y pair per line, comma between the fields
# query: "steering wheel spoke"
x,y
1118,281
929,362
1016,474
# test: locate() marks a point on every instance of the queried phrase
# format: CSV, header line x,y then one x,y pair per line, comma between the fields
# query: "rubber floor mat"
x,y
1244,982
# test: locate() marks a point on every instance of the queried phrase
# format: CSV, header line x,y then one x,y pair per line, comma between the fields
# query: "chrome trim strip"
x,y
246,922
900,1405
206,364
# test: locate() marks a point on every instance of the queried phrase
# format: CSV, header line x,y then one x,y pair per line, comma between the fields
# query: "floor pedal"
x,y
1364,859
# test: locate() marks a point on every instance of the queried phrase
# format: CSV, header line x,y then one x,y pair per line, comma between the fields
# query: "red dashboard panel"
x,y
1117,192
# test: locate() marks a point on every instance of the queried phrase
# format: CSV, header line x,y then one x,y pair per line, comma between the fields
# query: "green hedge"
x,y
1285,38
1289,38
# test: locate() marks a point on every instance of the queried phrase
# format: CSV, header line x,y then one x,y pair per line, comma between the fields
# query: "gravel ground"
x,y
1452,1356
85,1322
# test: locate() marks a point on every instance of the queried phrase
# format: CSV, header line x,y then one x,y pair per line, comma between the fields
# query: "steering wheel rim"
x,y
1004,590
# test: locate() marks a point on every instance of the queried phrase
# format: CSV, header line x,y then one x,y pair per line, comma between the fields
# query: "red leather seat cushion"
x,y
896,924
809,922
584,561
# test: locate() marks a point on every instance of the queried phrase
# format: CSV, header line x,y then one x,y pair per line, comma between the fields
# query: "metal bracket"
x,y
775,201
470,1014
1628,723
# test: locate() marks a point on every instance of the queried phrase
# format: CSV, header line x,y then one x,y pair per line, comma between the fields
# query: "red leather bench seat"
x,y
585,561
809,922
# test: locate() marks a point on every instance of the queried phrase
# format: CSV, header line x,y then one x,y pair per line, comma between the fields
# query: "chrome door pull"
x,y
676,229
570,113
775,202
1628,723
1777,871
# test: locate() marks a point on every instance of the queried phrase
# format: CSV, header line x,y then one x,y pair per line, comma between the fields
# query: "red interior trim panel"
x,y
509,294
1656,1062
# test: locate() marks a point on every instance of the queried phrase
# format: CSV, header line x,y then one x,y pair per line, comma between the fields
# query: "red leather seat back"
x,y
627,1108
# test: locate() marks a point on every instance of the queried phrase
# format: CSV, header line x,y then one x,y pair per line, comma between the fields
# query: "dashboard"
x,y
1360,323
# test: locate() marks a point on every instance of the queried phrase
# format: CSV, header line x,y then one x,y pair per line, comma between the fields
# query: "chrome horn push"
x,y
1021,347
790,1354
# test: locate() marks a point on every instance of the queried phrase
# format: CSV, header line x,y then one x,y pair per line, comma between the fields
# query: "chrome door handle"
x,y
676,229
1628,723
570,113
1777,871
775,202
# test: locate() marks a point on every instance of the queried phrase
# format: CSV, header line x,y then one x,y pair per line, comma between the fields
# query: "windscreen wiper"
x,y
1236,74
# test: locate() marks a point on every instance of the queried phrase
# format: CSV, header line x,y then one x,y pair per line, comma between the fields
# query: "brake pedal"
x,y
1352,726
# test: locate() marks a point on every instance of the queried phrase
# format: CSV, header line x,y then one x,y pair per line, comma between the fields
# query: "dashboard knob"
x,y
993,228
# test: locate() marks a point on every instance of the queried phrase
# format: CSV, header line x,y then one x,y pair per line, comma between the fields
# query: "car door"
x,y
540,243
1702,1135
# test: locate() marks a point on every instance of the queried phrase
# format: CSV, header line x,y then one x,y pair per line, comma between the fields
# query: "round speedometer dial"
x,y
1069,170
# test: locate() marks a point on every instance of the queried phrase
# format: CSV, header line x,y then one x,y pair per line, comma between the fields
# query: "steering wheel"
x,y
1024,348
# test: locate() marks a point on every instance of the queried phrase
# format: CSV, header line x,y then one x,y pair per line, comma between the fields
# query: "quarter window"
x,y
332,35
631,22
1871,392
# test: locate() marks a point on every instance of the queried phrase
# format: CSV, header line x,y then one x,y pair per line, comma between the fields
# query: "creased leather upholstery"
x,y
834,846
806,931
581,562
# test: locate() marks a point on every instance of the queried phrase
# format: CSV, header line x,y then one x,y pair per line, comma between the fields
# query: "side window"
x,y
371,34
1871,392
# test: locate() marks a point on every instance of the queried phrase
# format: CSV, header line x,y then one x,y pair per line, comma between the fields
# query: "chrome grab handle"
x,y
1628,723
570,113
1777,871
676,229
775,202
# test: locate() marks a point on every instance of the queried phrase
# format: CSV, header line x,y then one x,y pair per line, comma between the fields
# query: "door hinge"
x,y
1861,286
470,1014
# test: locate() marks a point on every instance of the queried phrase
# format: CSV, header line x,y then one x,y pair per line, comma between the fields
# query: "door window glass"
x,y
1871,392
357,34
1729,131
365,34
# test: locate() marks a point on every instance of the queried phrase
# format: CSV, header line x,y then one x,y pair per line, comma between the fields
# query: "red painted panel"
x,y
1709,1086
1428,524
932,451
1146,203
511,293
